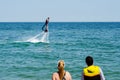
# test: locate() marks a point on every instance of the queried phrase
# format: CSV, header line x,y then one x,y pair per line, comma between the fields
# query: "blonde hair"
x,y
60,61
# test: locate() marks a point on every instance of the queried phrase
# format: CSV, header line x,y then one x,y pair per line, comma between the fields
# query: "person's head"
x,y
61,65
48,18
89,60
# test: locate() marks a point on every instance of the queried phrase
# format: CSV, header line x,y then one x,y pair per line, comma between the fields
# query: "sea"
x,y
28,53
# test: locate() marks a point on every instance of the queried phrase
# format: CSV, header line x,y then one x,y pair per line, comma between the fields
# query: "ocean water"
x,y
21,59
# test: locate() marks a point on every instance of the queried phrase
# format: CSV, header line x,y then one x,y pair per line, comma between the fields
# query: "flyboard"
x,y
41,37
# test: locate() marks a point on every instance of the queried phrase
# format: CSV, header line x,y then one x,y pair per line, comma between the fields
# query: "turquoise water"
x,y
70,41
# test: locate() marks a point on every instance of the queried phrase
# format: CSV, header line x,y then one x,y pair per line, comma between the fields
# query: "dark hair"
x,y
89,60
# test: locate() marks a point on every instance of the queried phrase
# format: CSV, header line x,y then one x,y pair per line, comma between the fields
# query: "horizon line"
x,y
52,21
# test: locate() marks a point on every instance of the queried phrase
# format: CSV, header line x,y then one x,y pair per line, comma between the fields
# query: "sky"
x,y
60,10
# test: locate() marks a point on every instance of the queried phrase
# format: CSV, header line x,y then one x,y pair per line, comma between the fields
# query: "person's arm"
x,y
82,76
53,76
70,77
102,75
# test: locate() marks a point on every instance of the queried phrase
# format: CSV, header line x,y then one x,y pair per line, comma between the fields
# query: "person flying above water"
x,y
45,26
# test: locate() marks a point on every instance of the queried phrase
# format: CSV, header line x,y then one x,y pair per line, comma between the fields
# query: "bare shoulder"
x,y
68,76
55,76
67,73
55,73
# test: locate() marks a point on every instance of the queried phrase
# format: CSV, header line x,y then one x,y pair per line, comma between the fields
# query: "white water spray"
x,y
41,37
